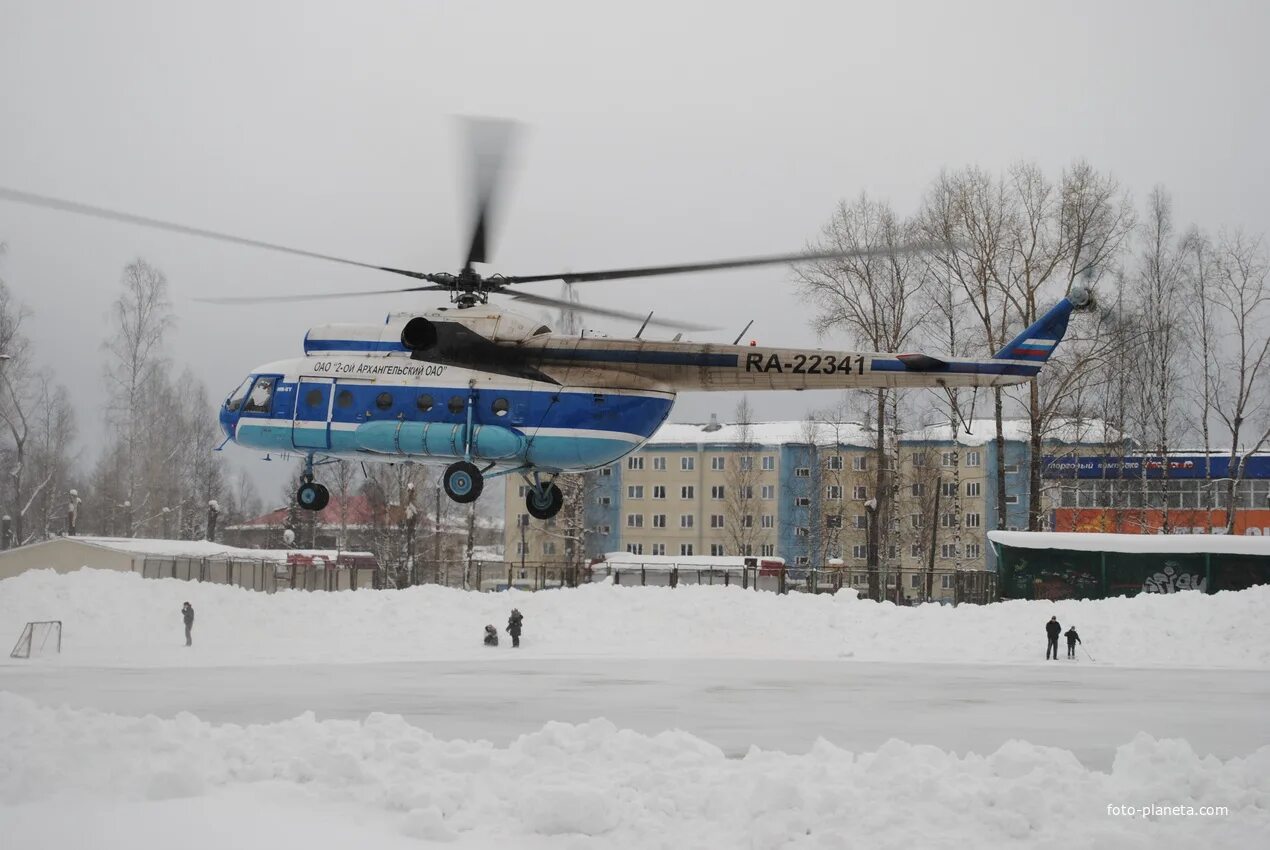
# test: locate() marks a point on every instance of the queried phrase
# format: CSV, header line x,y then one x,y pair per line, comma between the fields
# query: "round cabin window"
x,y
344,399
500,407
313,398
383,401
424,402
455,404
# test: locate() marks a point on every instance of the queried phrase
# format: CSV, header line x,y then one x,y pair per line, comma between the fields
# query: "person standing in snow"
x,y
187,611
513,626
491,635
1072,640
1052,631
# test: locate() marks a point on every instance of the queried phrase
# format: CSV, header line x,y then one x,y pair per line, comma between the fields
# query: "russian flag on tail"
x,y
1038,341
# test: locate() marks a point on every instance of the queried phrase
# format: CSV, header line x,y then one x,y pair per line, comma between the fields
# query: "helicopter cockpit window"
x,y
235,399
260,399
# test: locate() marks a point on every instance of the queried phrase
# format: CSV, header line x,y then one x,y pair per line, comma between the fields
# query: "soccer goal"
x,y
43,637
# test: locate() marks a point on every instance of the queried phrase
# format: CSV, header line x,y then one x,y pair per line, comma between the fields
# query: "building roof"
x,y
355,510
1135,543
803,432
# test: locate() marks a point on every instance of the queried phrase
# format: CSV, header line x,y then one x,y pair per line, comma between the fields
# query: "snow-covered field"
x,y
377,719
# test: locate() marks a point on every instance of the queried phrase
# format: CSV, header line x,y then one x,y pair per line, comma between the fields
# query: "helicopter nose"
x,y
227,422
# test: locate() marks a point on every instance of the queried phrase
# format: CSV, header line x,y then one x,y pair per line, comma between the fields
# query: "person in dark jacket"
x,y
491,636
1052,631
1072,640
187,611
513,626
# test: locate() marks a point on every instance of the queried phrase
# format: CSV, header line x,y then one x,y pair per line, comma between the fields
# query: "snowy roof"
x,y
800,432
159,548
1140,543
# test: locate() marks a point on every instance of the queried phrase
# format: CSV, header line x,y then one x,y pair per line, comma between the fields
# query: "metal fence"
x,y
264,576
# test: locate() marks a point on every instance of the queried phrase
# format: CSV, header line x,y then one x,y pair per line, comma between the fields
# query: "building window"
x,y
972,458
802,501
522,548
768,521
687,464
973,551
947,520
604,530
716,549
635,491
919,489
685,549
746,462
916,520
549,547
802,472
833,491
859,552
769,491
659,520
860,463
635,548
717,463
606,472
716,492
835,462
604,501
687,492
1011,469
802,531
523,491
686,520
769,463
523,520
747,521
948,489
919,459
948,459
716,520
635,462
634,520
659,491
859,492
659,464
1011,500
947,551
972,520
802,560
915,550
833,521
659,548
915,581
972,488
767,550
747,549
860,521
747,492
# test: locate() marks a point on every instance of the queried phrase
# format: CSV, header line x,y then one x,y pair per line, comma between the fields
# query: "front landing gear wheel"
x,y
544,503
312,496
463,482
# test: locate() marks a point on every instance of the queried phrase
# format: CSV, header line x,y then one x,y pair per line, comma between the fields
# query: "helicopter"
x,y
487,391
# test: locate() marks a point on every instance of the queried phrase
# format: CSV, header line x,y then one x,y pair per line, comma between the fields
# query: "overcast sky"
x,y
658,132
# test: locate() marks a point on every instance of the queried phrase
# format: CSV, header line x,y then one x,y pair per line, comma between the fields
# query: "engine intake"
x,y
419,334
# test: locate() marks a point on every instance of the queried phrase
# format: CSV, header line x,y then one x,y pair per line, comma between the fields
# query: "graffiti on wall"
x,y
1169,580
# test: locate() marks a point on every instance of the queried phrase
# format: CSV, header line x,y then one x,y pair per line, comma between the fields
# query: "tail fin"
x,y
1038,341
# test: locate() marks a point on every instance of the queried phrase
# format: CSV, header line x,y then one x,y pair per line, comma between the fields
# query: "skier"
x,y
1052,631
491,636
1072,640
513,626
187,611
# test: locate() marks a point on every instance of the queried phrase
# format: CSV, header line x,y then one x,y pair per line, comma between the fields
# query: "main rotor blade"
x,y
320,296
489,142
129,218
718,265
544,301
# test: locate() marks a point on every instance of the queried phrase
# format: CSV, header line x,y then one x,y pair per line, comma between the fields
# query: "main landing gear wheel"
x,y
463,482
544,503
312,496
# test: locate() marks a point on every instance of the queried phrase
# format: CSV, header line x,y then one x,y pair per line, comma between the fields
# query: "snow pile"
x,y
112,618
564,782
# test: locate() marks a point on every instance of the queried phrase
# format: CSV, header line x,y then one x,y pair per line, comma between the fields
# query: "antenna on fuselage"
x,y
737,341
641,327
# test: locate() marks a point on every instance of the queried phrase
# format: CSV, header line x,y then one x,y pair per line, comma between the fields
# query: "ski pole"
x,y
1086,651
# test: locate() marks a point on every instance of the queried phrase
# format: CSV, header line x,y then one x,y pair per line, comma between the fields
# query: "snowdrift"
x,y
594,785
120,619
